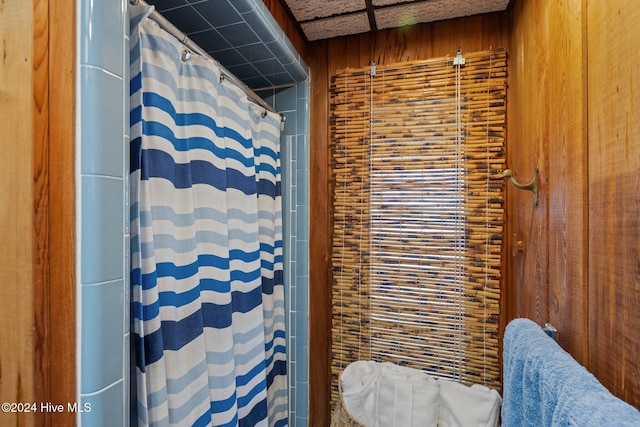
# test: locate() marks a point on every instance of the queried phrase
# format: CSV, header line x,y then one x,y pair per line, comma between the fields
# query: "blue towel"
x,y
545,386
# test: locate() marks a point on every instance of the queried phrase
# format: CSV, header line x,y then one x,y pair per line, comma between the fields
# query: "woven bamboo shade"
x,y
417,221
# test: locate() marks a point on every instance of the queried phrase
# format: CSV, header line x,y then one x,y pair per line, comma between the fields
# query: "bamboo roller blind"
x,y
417,221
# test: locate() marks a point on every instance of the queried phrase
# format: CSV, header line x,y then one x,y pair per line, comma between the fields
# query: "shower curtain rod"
x,y
166,25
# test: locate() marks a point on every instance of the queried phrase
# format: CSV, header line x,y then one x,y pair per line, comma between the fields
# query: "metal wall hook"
x,y
532,186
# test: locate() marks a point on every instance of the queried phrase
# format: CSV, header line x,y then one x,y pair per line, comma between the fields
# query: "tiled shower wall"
x,y
103,224
103,227
294,104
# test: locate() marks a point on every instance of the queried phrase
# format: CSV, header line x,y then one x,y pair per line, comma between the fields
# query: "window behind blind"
x,y
417,219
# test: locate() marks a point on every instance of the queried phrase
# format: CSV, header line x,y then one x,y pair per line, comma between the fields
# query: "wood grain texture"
x,y
614,196
324,59
319,243
37,78
547,126
41,223
526,136
567,163
17,264
419,41
61,336
573,110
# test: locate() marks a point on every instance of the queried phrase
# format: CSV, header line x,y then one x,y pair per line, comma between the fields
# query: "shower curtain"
x,y
206,243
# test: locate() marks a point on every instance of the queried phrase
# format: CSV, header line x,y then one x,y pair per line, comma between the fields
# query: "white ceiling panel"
x,y
355,23
323,19
305,10
435,10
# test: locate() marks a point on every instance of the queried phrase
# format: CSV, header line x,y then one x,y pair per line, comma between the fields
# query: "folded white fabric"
x,y
388,395
462,406
358,390
406,397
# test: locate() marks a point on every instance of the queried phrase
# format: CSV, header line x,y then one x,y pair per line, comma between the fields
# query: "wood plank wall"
x,y
547,128
573,110
614,195
61,328
17,350
37,220
324,59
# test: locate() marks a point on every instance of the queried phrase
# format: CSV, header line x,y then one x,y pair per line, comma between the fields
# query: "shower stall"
x,y
104,351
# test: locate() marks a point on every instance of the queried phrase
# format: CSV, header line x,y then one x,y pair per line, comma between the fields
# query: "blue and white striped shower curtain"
x,y
206,243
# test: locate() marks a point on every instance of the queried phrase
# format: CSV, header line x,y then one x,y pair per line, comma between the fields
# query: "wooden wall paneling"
x,y
17,264
61,334
41,206
319,240
572,97
567,178
614,195
465,36
547,128
418,42
399,44
527,139
324,59
342,53
573,109
37,81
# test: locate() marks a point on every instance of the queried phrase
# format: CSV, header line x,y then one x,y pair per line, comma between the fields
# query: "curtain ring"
x,y
264,113
186,55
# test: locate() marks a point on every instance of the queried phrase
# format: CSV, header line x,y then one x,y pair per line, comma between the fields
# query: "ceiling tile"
x,y
434,10
239,34
229,58
339,26
162,5
305,10
255,52
186,17
217,15
210,40
378,3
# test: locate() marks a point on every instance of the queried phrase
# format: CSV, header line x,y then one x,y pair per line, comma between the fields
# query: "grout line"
x,y
95,393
